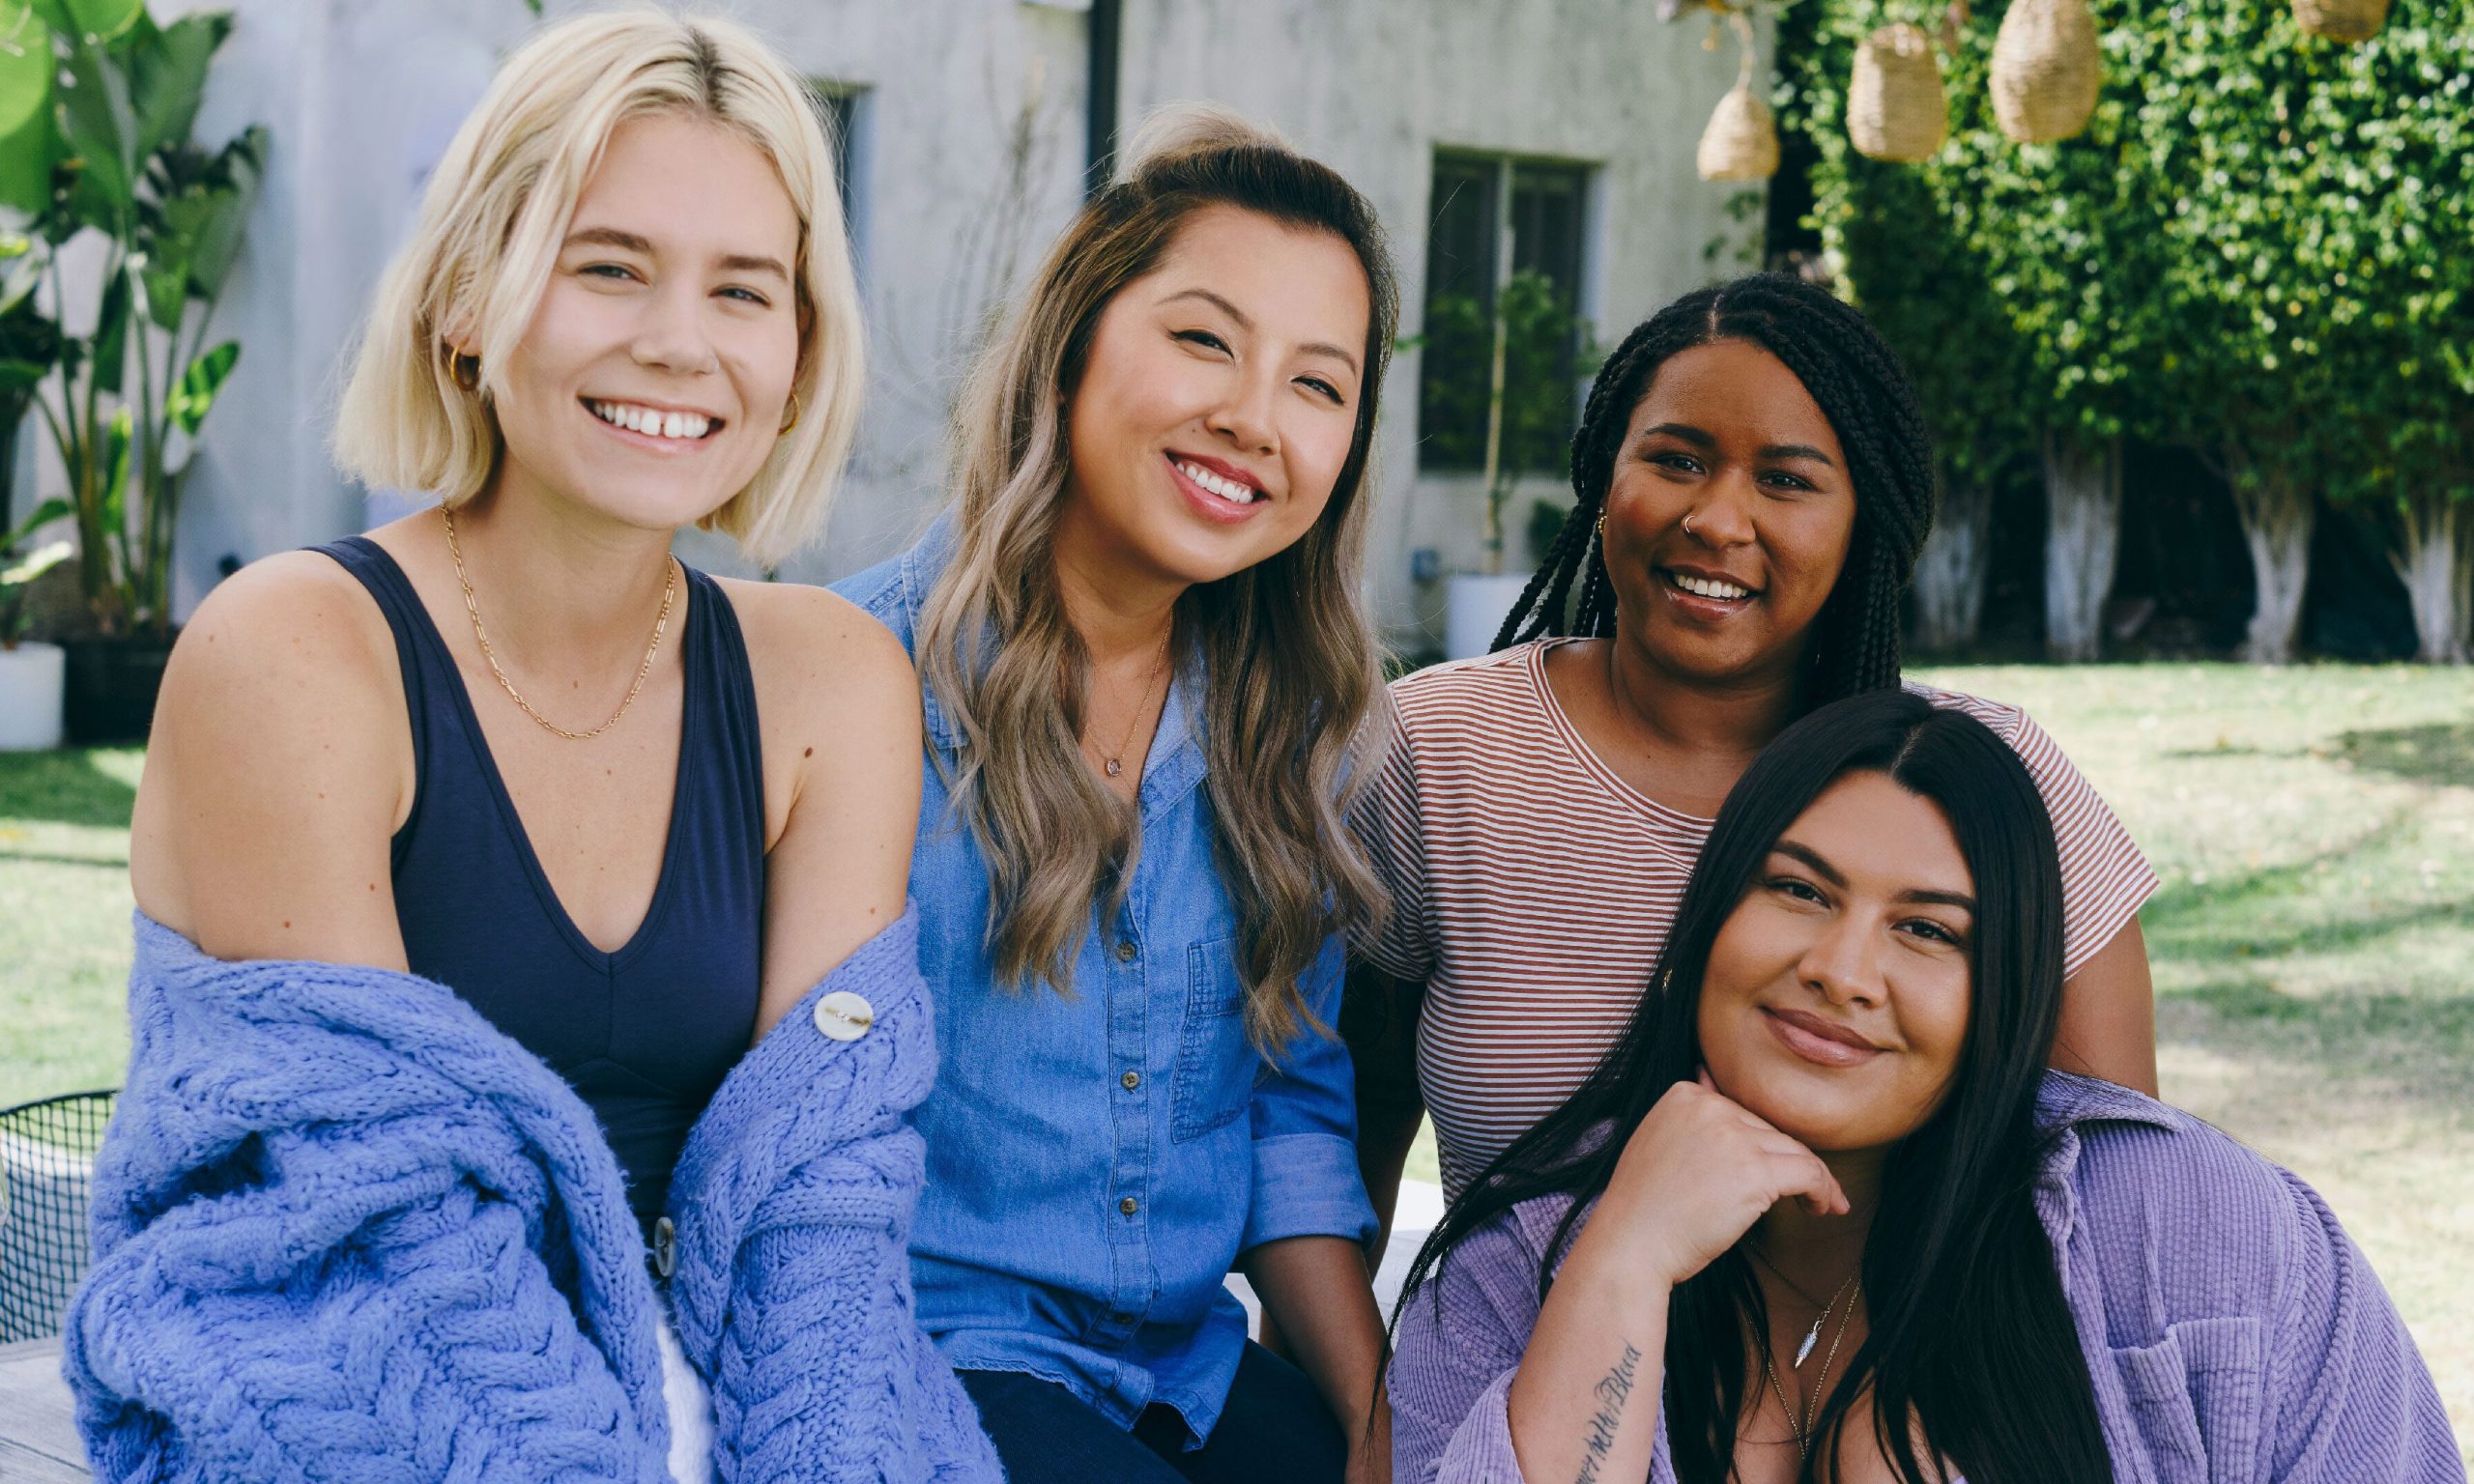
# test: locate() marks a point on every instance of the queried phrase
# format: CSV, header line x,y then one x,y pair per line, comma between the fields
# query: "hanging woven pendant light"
x,y
1895,108
2341,20
1742,142
2046,67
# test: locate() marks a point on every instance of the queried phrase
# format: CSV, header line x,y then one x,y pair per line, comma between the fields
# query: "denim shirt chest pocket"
x,y
1216,1064
2197,1396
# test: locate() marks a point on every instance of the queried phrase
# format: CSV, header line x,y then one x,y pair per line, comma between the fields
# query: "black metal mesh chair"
x,y
47,1163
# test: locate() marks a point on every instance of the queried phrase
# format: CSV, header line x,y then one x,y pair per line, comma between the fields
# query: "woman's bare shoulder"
x,y
280,751
818,654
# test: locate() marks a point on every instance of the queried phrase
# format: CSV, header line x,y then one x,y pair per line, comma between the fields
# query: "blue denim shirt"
x,y
1096,1161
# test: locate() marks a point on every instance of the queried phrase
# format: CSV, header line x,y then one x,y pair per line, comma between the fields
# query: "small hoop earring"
x,y
1602,528
466,370
792,420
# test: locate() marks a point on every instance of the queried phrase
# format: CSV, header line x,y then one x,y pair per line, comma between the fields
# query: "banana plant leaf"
x,y
95,121
168,75
95,20
109,345
25,70
194,396
53,509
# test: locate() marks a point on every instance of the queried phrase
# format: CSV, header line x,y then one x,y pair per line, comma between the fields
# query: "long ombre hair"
x,y
1292,678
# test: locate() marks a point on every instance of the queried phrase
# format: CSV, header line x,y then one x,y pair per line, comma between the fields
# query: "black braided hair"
x,y
1861,387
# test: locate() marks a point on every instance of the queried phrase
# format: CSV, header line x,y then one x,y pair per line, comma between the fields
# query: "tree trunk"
x,y
2277,516
2438,567
1950,570
2082,534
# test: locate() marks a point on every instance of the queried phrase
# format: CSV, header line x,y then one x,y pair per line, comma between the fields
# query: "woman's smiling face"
x,y
1728,517
1837,996
1217,402
652,378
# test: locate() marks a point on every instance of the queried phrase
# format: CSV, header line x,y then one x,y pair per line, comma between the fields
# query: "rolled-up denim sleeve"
x,y
1303,1118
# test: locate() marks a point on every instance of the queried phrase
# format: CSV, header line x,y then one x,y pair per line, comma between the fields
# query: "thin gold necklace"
x,y
1116,765
1803,1424
472,605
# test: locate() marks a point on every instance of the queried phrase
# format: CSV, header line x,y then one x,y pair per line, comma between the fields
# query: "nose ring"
x,y
1687,526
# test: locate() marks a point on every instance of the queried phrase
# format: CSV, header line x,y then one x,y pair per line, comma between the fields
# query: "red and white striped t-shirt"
x,y
1531,887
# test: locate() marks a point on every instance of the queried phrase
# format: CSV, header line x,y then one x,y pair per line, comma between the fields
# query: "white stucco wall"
x,y
971,152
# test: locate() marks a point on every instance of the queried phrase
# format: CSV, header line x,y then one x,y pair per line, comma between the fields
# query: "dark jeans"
x,y
1275,1426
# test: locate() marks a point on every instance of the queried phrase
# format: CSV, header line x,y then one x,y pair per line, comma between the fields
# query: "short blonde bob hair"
x,y
497,209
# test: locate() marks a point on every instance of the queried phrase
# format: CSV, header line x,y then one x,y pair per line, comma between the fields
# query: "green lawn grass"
x,y
2314,828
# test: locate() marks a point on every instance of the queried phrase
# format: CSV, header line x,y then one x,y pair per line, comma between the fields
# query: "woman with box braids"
x,y
1754,481
1861,388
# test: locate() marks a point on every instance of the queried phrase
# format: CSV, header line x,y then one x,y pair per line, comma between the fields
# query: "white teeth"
x,y
651,421
1226,489
1710,588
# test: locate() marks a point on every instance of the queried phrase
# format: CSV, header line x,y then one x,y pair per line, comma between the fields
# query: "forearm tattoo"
x,y
1612,1390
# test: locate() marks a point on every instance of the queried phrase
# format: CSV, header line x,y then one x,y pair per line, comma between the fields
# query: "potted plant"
x,y
29,346
1540,350
30,672
123,403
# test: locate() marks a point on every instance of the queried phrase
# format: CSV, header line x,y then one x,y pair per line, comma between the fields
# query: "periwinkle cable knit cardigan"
x,y
345,1229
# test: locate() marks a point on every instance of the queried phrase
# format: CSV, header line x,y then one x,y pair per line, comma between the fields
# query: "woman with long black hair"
x,y
1824,1213
1752,479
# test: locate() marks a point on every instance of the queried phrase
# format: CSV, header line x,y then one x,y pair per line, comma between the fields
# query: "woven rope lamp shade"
x,y
2045,70
1895,110
1742,142
2341,20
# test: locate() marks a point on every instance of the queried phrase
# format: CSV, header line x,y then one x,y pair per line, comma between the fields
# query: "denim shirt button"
x,y
1131,1080
1126,951
1129,1206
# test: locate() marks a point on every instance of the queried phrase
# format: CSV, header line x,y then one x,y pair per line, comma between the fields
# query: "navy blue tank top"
x,y
644,1035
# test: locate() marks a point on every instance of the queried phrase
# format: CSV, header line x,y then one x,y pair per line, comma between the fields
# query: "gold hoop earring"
x,y
466,370
1602,528
792,420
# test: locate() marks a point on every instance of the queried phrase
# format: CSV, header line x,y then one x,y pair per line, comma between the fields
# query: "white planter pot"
x,y
30,697
1475,606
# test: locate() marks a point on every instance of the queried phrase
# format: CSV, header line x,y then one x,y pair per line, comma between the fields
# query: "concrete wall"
x,y
970,154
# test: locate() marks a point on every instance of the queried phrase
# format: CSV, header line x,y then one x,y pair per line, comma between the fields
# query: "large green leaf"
x,y
214,242
112,334
25,67
56,508
96,121
114,509
98,20
27,154
192,231
194,397
167,76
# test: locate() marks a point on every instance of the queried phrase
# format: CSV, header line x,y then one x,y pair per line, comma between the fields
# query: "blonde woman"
x,y
473,853
1145,670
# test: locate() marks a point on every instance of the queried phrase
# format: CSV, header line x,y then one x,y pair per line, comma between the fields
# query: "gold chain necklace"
x,y
1115,765
472,605
1803,1425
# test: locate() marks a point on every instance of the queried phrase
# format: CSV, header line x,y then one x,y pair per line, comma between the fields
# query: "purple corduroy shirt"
x,y
2233,1330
